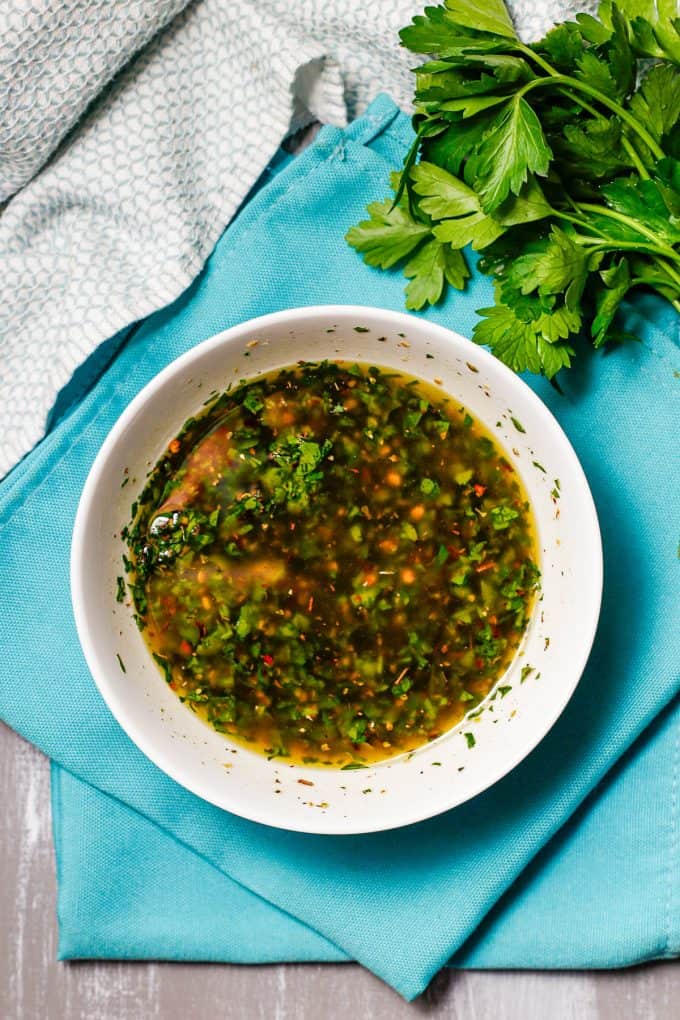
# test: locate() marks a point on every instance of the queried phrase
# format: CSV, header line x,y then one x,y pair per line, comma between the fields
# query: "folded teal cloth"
x,y
146,869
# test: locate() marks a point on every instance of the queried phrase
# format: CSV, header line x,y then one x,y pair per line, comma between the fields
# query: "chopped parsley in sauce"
x,y
333,563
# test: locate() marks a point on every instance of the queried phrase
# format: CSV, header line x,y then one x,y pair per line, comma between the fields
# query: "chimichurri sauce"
x,y
333,562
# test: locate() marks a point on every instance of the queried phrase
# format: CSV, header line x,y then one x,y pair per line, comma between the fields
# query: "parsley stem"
x,y
537,58
409,160
580,86
584,104
625,142
569,199
670,271
603,210
608,245
625,116
580,221
635,158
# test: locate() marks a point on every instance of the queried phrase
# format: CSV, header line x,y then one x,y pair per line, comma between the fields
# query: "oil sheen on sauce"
x,y
333,563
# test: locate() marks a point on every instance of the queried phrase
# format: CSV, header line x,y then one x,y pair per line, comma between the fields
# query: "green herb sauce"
x,y
333,563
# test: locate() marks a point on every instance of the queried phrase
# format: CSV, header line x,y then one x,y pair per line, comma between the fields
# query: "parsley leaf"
x,y
476,229
388,236
431,268
503,516
655,27
443,194
616,282
450,149
595,72
592,148
431,32
523,346
492,16
657,103
514,147
550,269
576,111
642,201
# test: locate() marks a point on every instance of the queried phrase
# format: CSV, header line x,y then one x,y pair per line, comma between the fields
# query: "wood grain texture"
x,y
33,986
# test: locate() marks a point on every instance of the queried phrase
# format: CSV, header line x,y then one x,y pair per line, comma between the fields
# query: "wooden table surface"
x,y
33,986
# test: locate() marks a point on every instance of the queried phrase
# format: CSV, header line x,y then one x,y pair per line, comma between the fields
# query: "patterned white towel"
x,y
130,133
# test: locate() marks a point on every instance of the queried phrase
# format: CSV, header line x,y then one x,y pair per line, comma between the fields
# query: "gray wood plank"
x,y
33,986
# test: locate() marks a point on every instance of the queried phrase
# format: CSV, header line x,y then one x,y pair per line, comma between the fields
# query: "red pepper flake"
x,y
486,566
268,659
479,490
174,446
185,648
305,782
479,663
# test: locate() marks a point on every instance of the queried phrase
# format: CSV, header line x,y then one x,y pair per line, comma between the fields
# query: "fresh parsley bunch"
x,y
559,161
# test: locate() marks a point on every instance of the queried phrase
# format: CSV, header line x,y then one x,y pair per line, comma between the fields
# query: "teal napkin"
x,y
147,869
605,892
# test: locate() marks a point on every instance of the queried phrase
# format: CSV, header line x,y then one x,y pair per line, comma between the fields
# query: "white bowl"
x,y
447,771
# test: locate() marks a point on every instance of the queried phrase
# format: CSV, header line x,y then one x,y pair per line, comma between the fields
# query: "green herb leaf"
x,y
429,487
563,44
503,516
530,205
642,201
476,229
450,149
596,72
431,268
601,132
431,32
521,345
592,148
557,263
443,194
514,147
492,16
388,236
409,532
655,27
617,282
